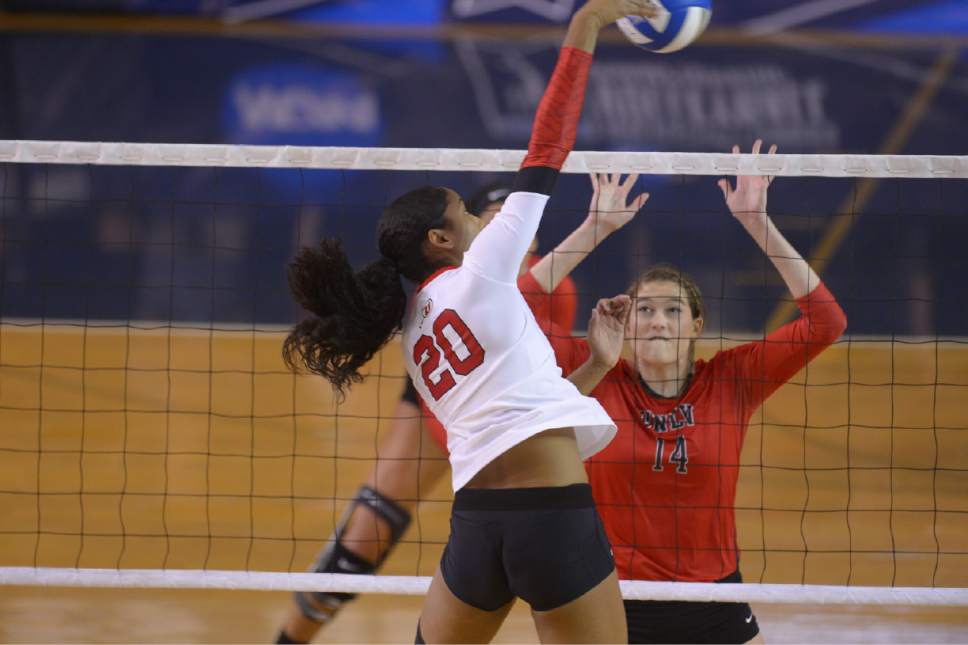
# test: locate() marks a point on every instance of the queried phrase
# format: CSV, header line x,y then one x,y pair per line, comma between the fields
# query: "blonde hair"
x,y
670,273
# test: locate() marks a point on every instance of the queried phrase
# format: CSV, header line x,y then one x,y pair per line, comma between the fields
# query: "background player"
x,y
523,522
413,453
666,485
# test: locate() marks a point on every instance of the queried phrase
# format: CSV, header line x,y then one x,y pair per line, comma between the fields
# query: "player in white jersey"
x,y
523,522
412,455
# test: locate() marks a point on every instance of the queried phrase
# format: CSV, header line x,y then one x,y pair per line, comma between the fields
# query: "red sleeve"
x,y
570,352
564,305
556,121
762,367
557,308
434,428
555,313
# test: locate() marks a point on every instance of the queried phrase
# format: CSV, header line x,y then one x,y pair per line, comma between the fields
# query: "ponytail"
x,y
353,315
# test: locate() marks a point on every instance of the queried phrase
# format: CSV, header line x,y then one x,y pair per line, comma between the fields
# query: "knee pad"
x,y
321,606
396,517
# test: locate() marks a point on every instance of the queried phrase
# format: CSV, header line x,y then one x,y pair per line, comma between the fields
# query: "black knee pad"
x,y
321,606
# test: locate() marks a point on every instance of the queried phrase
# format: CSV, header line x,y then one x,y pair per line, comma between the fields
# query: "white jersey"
x,y
479,359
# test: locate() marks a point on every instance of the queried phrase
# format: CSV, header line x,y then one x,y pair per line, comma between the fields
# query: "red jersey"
x,y
556,308
554,311
666,485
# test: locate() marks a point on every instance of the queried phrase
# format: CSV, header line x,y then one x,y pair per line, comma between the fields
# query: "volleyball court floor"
x,y
185,450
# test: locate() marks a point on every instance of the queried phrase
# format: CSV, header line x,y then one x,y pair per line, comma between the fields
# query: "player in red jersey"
x,y
665,487
523,522
414,450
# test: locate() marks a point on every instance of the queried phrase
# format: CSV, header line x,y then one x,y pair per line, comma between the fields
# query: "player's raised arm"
x,y
785,351
556,122
747,203
610,209
498,251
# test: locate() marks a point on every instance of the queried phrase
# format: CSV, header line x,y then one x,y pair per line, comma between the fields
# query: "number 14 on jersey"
x,y
679,456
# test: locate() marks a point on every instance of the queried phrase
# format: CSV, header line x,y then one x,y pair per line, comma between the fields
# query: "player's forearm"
x,y
556,121
587,377
583,31
795,271
555,266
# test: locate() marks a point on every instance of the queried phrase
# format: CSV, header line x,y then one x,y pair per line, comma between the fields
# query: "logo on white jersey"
x,y
427,308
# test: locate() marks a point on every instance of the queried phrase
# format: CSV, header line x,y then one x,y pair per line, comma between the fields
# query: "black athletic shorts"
x,y
410,393
659,621
546,546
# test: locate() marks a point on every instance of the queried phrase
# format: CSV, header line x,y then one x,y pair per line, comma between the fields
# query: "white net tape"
x,y
659,163
412,585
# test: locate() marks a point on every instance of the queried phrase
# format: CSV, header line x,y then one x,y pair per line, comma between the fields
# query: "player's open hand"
x,y
608,11
610,208
606,329
748,199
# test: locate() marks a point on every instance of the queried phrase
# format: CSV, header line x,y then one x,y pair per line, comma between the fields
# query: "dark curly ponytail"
x,y
354,314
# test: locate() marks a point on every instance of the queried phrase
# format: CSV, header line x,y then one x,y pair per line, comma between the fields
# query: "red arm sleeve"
x,y
570,352
762,367
557,308
555,123
564,304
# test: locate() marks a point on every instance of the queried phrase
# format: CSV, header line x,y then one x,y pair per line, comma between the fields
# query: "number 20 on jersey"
x,y
427,355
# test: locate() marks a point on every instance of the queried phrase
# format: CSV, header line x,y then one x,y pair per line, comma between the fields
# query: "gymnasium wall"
x,y
205,244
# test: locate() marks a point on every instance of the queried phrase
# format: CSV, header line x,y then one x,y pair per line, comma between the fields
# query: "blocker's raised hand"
x,y
610,208
606,329
748,199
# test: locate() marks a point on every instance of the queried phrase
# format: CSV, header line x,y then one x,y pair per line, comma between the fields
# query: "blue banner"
x,y
210,244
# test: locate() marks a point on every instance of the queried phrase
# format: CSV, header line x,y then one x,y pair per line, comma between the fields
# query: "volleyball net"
x,y
153,437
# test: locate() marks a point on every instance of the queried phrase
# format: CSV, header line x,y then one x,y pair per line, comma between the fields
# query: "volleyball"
x,y
682,22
